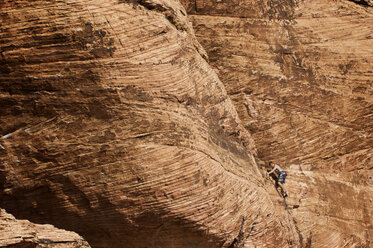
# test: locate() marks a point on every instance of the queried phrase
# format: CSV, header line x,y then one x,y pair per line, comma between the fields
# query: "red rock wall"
x,y
114,125
300,75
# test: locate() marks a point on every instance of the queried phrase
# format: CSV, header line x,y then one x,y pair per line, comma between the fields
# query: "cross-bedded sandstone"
x,y
114,125
300,76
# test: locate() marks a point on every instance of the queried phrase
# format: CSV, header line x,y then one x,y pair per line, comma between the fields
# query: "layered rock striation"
x,y
297,84
114,125
24,234
300,76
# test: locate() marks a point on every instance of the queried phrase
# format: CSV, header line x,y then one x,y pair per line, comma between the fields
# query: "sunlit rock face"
x,y
114,125
24,234
300,75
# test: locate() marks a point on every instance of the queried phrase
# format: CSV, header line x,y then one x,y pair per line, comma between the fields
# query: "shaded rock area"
x,y
128,124
364,2
300,75
114,125
24,234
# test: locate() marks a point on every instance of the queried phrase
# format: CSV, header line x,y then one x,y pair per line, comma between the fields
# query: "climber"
x,y
280,177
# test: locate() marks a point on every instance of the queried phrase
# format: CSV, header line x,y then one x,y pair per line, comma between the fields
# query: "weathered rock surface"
x,y
24,234
300,75
114,125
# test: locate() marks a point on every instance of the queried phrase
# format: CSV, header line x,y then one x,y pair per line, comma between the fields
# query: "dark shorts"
x,y
281,180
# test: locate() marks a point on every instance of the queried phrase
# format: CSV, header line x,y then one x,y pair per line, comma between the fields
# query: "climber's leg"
x,y
283,190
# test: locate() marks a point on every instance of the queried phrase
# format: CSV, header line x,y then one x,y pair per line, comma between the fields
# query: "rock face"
x,y
300,75
24,234
114,125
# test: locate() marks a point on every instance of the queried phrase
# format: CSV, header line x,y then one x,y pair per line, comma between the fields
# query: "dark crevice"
x,y
298,231
295,223
309,241
362,3
151,6
168,12
238,241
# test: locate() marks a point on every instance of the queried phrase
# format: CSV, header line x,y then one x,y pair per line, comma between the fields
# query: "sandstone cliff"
x,y
300,75
115,126
24,234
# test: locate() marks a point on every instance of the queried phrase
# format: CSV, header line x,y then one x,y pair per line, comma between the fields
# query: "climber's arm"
x,y
275,166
